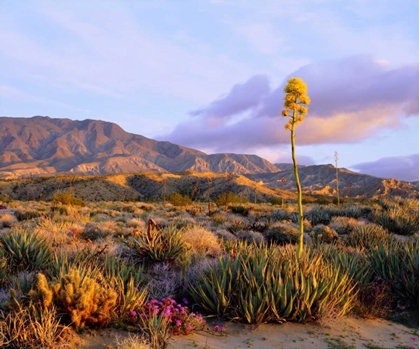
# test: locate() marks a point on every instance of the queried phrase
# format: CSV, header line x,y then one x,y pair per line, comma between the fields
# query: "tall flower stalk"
x,y
295,102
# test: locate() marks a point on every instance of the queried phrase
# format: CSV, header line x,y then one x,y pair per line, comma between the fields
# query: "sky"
x,y
210,75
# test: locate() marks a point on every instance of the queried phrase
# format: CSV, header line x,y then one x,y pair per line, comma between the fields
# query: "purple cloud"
x,y
350,85
405,168
352,99
241,97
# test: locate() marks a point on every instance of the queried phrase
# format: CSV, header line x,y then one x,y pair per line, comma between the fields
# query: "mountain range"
x,y
41,145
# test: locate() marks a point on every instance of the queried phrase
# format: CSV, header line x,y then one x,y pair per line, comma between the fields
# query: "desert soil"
x,y
347,332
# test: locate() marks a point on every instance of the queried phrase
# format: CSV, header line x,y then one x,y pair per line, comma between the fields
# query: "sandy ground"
x,y
347,332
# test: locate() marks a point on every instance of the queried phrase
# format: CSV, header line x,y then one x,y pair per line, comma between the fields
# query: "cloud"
x,y
352,99
240,98
405,168
353,84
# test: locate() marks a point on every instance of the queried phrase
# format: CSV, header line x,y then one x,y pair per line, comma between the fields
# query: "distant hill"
x,y
321,179
42,145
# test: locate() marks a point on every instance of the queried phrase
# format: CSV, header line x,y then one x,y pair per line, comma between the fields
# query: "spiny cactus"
x,y
82,298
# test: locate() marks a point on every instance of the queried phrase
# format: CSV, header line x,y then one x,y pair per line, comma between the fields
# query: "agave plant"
x,y
268,283
158,245
25,250
369,235
398,263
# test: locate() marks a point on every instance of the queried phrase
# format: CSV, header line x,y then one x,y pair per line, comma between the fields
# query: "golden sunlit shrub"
x,y
201,241
136,223
31,328
7,220
282,233
322,233
78,295
344,225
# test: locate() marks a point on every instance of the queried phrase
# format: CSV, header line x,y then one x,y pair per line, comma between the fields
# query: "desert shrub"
x,y
239,209
325,234
397,220
250,236
225,235
352,260
4,270
225,199
183,222
7,220
178,199
260,283
282,233
133,342
31,328
92,232
320,215
164,245
164,281
344,225
128,281
65,198
136,223
26,215
350,211
25,250
280,215
219,218
109,227
398,263
201,241
369,235
79,296
116,266
236,225
375,299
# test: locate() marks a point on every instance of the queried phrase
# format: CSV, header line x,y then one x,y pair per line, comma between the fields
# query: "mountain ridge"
x,y
41,145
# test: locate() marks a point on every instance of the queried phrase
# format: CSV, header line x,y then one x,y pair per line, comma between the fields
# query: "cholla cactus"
x,y
86,302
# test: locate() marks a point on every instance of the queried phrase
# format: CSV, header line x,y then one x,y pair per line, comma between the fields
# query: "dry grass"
x,y
7,220
132,342
202,241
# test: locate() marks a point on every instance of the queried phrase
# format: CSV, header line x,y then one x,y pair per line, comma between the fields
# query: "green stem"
x,y
298,186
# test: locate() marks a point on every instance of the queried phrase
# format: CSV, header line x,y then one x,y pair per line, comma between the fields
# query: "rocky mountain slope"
x,y
40,146
321,179
43,145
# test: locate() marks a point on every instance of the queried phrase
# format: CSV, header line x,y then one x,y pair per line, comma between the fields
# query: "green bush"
x,y
279,216
164,245
369,235
320,215
397,215
257,284
225,199
26,215
398,263
282,233
322,233
25,250
178,199
65,198
397,220
239,209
